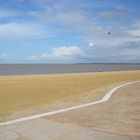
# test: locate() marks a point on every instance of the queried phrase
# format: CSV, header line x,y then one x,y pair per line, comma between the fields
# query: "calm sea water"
x,y
29,69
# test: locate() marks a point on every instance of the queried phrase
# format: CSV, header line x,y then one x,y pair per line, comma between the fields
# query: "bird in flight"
x,y
109,33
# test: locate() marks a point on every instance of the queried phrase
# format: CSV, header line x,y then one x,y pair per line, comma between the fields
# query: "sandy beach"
x,y
28,95
24,95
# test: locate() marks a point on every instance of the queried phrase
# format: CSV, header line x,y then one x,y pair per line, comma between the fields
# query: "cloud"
x,y
71,18
3,56
116,13
33,13
130,56
119,35
60,54
120,46
21,31
131,45
67,51
128,52
134,30
90,21
86,22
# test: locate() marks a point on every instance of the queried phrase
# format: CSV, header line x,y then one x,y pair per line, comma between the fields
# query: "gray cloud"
x,y
131,45
127,52
116,13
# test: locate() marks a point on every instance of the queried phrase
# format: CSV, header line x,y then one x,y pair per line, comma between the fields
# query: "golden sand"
x,y
21,92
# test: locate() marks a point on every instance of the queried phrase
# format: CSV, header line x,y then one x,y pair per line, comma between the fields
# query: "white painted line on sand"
x,y
104,99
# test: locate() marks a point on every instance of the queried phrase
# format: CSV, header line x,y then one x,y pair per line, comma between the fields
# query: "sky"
x,y
69,31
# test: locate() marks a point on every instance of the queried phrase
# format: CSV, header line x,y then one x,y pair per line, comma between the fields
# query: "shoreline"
x,y
72,73
33,69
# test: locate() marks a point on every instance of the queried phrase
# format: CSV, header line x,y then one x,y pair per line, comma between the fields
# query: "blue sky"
x,y
69,31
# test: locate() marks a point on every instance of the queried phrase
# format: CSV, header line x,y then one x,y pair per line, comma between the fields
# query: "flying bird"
x,y
109,33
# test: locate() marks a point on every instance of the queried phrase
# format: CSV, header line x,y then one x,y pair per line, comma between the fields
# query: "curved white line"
x,y
104,99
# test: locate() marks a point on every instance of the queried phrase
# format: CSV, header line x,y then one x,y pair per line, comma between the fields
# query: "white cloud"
x,y
3,56
67,51
71,18
61,54
33,13
19,31
134,30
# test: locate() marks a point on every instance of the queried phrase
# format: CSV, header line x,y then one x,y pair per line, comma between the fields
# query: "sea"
x,y
31,69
